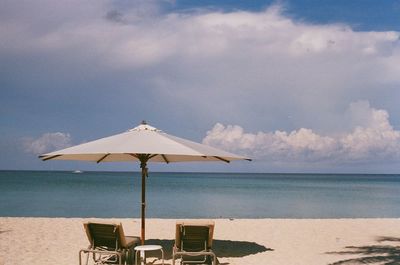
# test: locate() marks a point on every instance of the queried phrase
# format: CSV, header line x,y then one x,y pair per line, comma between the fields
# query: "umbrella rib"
x,y
165,159
151,156
101,159
222,159
134,155
44,158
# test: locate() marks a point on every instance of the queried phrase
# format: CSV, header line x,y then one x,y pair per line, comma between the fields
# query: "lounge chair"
x,y
193,243
108,244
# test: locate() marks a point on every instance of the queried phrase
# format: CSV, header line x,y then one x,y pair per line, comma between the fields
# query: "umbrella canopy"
x,y
143,143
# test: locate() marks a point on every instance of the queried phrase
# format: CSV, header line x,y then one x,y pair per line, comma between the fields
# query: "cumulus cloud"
x,y
372,140
47,142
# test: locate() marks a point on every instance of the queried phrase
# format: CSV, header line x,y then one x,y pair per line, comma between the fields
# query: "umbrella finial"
x,y
145,127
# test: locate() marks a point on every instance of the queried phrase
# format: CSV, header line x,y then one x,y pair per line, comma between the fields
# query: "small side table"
x,y
142,249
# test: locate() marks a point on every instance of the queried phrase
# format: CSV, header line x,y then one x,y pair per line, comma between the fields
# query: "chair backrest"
x,y
110,236
194,236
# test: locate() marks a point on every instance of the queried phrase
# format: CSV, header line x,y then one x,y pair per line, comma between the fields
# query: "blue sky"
x,y
300,86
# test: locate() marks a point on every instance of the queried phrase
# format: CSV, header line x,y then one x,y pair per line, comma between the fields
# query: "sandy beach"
x,y
239,241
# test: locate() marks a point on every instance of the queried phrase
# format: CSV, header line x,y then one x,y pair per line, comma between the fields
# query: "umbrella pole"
x,y
144,174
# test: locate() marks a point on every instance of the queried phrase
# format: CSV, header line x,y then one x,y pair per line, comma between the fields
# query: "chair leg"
x,y
162,256
80,256
214,259
127,258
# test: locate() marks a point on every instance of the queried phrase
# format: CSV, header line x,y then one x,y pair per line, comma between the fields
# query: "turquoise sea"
x,y
198,195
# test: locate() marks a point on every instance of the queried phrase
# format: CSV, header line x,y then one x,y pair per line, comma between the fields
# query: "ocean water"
x,y
198,195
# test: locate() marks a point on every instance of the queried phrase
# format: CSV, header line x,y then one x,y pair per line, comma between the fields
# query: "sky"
x,y
299,86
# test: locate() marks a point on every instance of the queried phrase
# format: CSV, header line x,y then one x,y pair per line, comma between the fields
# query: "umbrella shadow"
x,y
373,254
222,248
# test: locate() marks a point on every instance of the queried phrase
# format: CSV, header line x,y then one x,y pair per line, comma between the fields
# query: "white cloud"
x,y
148,38
47,142
372,140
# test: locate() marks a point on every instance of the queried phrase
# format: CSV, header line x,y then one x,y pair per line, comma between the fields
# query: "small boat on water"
x,y
77,171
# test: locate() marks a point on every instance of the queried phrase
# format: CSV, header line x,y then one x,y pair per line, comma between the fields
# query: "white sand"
x,y
288,241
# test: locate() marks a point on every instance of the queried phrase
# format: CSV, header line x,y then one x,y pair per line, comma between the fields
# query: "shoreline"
x,y
200,171
200,218
45,241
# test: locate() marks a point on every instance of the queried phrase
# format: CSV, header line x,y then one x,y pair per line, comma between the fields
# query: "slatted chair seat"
x,y
108,244
193,243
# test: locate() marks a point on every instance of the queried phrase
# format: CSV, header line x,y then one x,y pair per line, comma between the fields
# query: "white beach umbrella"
x,y
143,143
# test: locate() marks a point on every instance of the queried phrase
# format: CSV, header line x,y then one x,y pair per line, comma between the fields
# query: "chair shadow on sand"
x,y
222,248
374,254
